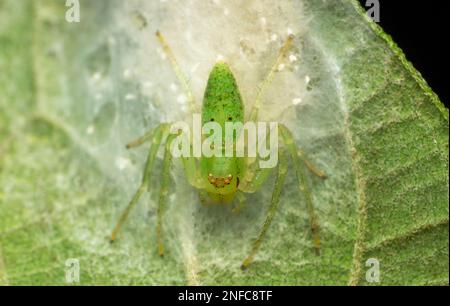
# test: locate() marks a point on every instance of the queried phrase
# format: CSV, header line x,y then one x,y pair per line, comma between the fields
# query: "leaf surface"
x,y
73,94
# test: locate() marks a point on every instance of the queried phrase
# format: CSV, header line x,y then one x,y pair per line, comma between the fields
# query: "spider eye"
x,y
212,120
230,118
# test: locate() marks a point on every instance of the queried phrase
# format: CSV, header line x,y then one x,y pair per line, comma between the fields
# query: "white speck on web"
x,y
182,99
220,58
127,73
307,79
297,101
130,96
226,12
274,37
122,163
173,87
293,58
96,76
90,130
263,21
290,31
147,84
281,67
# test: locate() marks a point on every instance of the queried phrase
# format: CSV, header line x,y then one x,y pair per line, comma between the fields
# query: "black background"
x,y
420,28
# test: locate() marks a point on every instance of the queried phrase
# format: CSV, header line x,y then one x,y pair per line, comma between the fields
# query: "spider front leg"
x,y
157,135
300,161
165,182
281,175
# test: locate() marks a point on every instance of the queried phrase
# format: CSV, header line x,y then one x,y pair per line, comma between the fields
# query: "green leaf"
x,y
73,94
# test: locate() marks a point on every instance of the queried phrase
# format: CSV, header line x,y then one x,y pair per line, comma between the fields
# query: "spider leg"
x,y
180,75
281,175
192,172
255,175
141,140
301,176
165,183
158,135
265,84
254,178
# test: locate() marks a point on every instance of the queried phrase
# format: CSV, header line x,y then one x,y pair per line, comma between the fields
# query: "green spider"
x,y
222,179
